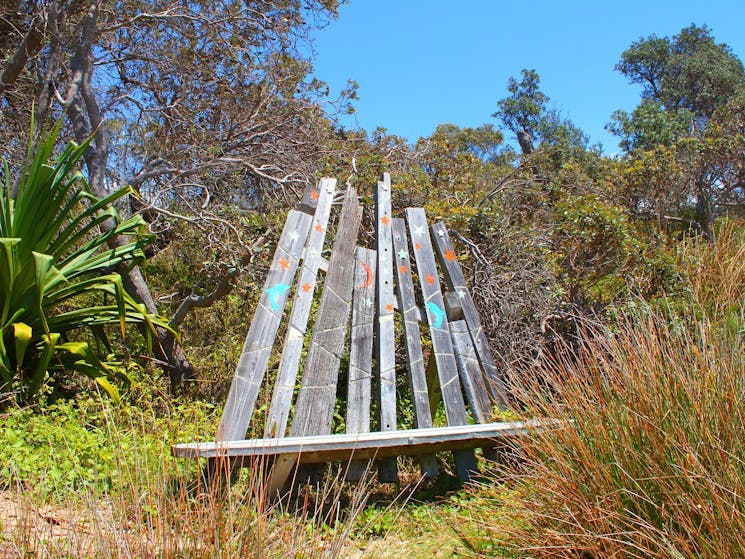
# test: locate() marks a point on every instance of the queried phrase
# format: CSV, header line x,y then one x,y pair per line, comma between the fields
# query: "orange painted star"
x,y
417,245
403,269
385,220
389,307
284,263
429,279
314,194
449,255
306,287
319,227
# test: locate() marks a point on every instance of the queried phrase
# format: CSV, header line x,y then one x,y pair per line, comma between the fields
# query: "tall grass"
x,y
654,465
151,505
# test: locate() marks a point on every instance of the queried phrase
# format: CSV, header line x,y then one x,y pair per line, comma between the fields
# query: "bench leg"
x,y
280,472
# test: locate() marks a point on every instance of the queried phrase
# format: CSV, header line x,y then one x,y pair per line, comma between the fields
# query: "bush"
x,y
59,247
655,461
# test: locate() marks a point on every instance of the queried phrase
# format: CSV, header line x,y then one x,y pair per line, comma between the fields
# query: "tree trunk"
x,y
168,352
86,118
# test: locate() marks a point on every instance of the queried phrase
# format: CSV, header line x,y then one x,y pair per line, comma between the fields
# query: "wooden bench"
x,y
356,320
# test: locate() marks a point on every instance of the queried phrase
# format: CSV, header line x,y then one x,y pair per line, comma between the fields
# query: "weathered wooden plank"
x,y
386,349
447,368
315,403
457,283
385,337
284,387
325,448
360,352
474,382
413,336
257,349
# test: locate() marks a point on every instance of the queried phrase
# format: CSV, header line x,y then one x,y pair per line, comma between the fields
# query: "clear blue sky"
x,y
419,63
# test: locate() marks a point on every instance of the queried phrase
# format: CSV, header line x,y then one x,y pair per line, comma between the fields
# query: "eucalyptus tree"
x,y
689,83
190,103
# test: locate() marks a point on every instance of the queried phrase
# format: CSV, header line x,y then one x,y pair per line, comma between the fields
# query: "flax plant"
x,y
60,247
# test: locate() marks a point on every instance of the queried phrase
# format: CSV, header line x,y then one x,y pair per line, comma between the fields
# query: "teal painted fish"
x,y
438,313
275,293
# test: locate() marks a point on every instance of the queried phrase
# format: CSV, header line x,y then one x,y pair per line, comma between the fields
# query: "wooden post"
x,y
415,359
317,396
360,353
457,283
447,368
284,387
385,364
257,349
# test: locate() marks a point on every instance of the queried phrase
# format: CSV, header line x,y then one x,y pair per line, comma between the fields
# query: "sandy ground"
x,y
27,530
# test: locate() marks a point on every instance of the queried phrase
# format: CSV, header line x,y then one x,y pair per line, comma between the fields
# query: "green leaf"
x,y
22,335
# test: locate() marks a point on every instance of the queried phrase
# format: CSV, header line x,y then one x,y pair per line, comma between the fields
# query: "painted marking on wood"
x,y
457,283
317,395
415,359
385,334
447,368
284,387
360,354
257,349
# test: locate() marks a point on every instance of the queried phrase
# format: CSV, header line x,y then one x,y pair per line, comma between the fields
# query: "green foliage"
x,y
522,110
92,446
688,71
650,125
59,247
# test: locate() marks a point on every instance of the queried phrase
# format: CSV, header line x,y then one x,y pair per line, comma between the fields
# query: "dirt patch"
x,y
28,530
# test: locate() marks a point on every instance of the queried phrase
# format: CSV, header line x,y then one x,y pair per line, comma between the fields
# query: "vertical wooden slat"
x,y
385,333
415,359
360,352
257,349
471,376
447,368
317,396
457,283
284,387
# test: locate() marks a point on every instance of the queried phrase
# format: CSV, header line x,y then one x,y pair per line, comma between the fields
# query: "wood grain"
x,y
257,349
317,395
284,387
447,368
456,282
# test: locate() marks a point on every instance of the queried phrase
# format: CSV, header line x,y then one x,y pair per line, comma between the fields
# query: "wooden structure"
x,y
372,301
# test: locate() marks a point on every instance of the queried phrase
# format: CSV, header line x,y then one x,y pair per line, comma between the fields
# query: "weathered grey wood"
x,y
433,384
326,448
257,349
474,383
360,352
457,283
413,336
309,201
317,395
385,362
284,387
447,368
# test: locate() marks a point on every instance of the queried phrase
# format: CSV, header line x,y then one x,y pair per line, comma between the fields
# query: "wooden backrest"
x,y
363,289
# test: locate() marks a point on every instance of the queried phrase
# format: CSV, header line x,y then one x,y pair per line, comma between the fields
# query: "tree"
x,y
686,80
526,115
191,104
521,112
690,71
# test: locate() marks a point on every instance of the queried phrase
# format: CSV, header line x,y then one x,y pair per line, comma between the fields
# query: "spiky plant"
x,y
60,247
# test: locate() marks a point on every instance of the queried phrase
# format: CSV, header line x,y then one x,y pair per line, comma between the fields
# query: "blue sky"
x,y
419,63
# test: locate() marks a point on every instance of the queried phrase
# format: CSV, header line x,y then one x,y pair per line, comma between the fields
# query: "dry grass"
x,y
656,462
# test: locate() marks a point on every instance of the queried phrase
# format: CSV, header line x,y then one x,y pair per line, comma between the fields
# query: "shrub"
x,y
59,247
